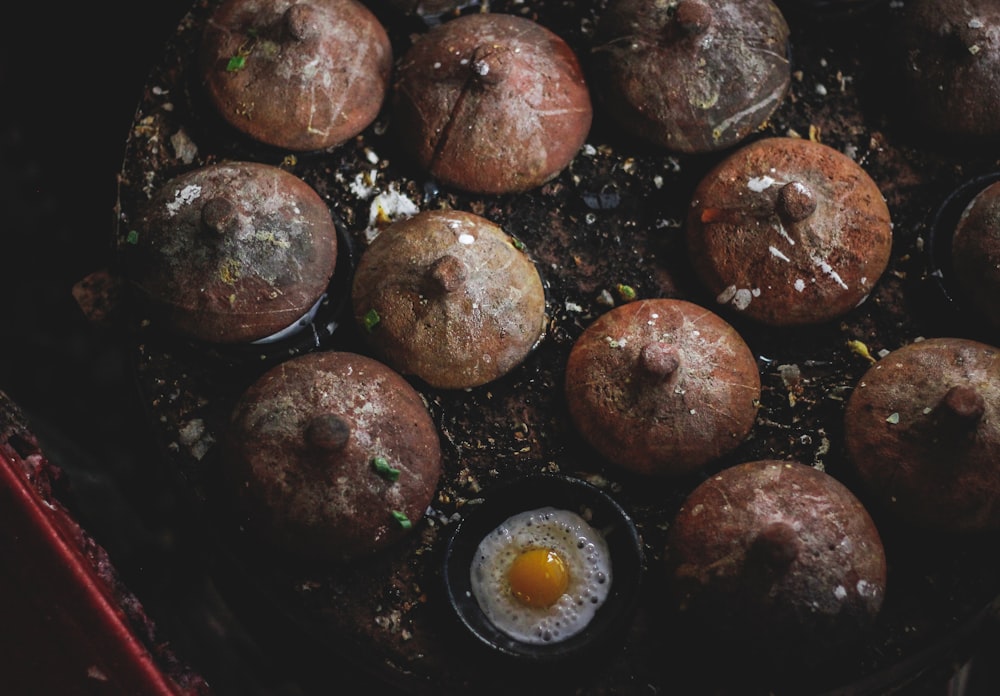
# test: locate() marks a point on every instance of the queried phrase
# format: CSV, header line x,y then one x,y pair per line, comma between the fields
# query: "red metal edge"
x,y
67,626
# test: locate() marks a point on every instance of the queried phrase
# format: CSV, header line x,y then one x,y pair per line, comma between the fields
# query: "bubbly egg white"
x,y
582,549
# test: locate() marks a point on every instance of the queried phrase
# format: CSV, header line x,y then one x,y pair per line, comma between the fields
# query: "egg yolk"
x,y
538,577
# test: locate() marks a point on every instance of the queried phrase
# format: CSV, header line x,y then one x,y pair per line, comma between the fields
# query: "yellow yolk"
x,y
538,577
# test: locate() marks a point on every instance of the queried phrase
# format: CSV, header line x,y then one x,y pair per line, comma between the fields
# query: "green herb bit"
x,y
626,292
236,63
133,237
371,319
382,468
518,244
403,520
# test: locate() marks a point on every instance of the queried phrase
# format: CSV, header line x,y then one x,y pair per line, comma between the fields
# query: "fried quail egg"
x,y
541,575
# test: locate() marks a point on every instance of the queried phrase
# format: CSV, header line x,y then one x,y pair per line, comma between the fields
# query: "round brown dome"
x,y
693,76
788,232
332,455
491,103
949,57
662,386
304,75
232,252
975,253
775,556
921,428
448,297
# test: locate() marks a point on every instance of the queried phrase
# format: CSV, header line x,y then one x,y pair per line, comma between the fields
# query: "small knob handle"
x,y
795,202
328,432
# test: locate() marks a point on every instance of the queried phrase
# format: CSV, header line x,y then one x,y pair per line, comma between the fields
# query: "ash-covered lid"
x,y
232,252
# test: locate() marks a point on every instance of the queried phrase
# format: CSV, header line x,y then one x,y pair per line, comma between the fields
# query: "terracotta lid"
x,y
922,428
778,558
332,455
491,103
788,232
446,296
948,52
692,76
232,252
298,75
662,386
975,253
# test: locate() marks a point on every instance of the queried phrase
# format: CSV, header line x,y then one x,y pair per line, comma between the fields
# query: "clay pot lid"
x,y
448,297
491,103
789,232
948,53
333,455
232,252
776,558
975,253
694,76
303,75
662,386
922,429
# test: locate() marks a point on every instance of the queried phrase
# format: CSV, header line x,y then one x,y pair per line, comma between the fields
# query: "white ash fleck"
x,y
94,672
184,148
371,155
194,436
882,353
867,589
391,622
799,284
606,299
573,307
726,295
975,23
388,207
840,592
616,343
758,184
481,67
742,298
658,181
830,272
186,196
363,186
821,89
777,253
588,150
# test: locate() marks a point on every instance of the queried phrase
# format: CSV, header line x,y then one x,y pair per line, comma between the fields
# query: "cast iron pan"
x,y
612,219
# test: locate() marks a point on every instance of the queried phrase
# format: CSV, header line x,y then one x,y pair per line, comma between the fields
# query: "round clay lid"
x,y
491,103
949,53
448,297
975,253
302,75
693,76
778,553
788,232
332,455
922,428
662,386
232,252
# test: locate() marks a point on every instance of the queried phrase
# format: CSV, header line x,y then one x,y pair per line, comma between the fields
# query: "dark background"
x,y
71,75
70,78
